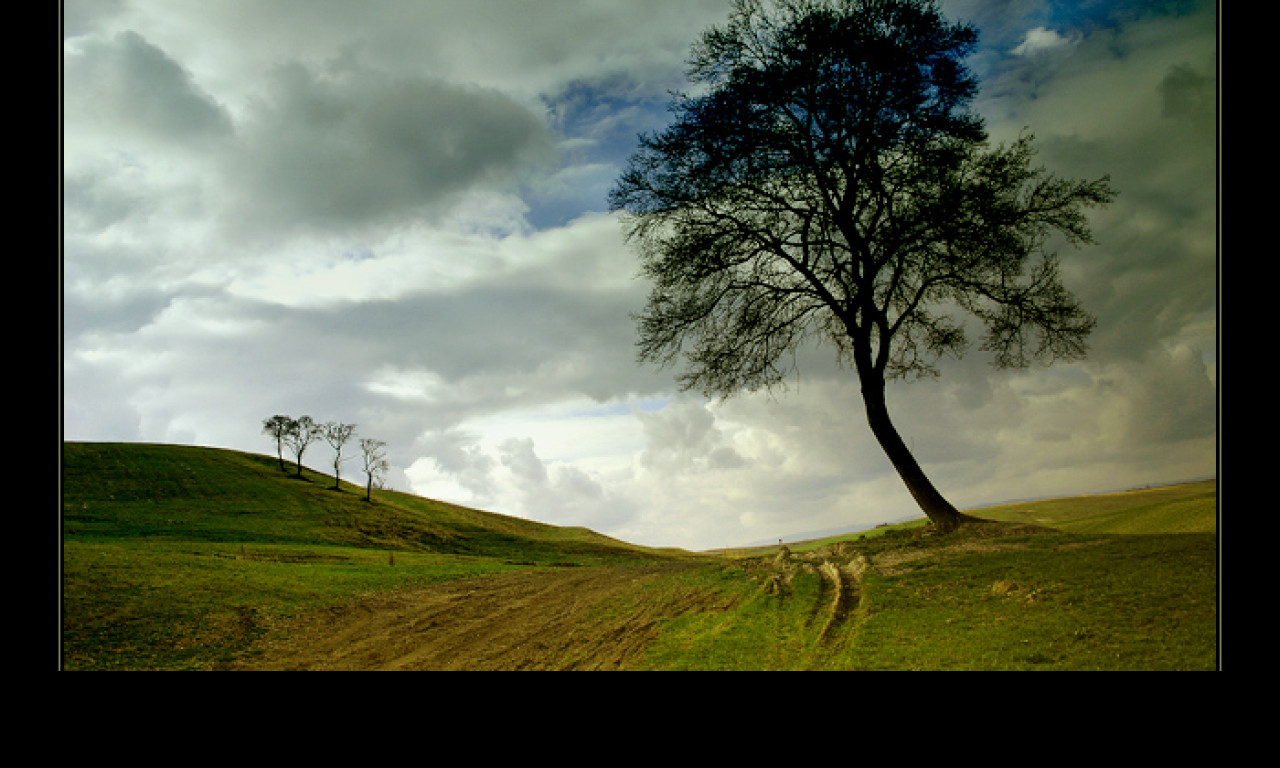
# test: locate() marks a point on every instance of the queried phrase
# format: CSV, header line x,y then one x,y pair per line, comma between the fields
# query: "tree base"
x,y
981,527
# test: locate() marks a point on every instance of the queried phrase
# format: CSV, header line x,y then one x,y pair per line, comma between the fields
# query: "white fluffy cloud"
x,y
392,214
1040,40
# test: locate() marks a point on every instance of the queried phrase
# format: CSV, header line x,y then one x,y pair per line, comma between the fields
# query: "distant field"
x,y
1179,508
1182,508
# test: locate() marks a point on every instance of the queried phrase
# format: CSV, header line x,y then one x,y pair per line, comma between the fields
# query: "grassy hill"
x,y
178,557
1180,508
170,492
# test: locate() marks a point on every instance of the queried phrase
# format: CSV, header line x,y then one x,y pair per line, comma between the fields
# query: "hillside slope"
x,y
185,493
178,557
1177,508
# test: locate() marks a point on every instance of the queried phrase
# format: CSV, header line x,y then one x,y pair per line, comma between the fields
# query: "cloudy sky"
x,y
392,213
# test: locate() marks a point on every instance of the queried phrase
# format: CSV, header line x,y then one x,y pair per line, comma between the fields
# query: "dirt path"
x,y
516,621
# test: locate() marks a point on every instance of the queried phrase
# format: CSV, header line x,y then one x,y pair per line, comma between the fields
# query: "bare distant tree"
x,y
337,435
375,463
277,427
301,433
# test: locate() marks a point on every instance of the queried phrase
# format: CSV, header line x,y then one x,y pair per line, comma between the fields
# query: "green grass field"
x,y
177,557
1047,602
1129,583
180,558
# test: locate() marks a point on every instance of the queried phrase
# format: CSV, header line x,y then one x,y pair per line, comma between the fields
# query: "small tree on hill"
x,y
337,435
301,433
375,463
277,427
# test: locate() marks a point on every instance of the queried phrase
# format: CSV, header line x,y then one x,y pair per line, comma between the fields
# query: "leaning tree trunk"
x,y
940,511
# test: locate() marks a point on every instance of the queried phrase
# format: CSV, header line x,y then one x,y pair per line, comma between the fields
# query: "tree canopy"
x,y
828,180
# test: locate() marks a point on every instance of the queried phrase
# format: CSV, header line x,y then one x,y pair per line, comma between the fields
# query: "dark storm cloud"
x,y
353,146
493,346
131,85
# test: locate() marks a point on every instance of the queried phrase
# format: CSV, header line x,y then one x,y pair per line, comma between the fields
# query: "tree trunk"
x,y
940,511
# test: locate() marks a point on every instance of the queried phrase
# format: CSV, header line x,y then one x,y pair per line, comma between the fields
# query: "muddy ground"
x,y
598,618
526,620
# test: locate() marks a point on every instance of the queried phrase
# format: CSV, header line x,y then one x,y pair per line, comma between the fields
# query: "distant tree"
x,y
337,435
375,463
302,432
829,182
277,427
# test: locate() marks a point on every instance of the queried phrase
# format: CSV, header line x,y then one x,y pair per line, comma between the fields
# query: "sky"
x,y
393,214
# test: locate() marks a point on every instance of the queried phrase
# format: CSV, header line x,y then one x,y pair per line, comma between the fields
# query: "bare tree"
x,y
277,427
337,435
375,464
301,433
829,182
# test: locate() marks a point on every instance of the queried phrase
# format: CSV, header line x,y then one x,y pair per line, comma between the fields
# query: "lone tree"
x,y
375,463
302,432
337,435
828,181
277,427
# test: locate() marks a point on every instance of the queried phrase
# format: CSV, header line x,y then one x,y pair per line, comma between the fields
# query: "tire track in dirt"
x,y
525,620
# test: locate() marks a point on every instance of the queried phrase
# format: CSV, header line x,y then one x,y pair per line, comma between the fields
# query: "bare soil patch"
x,y
526,620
